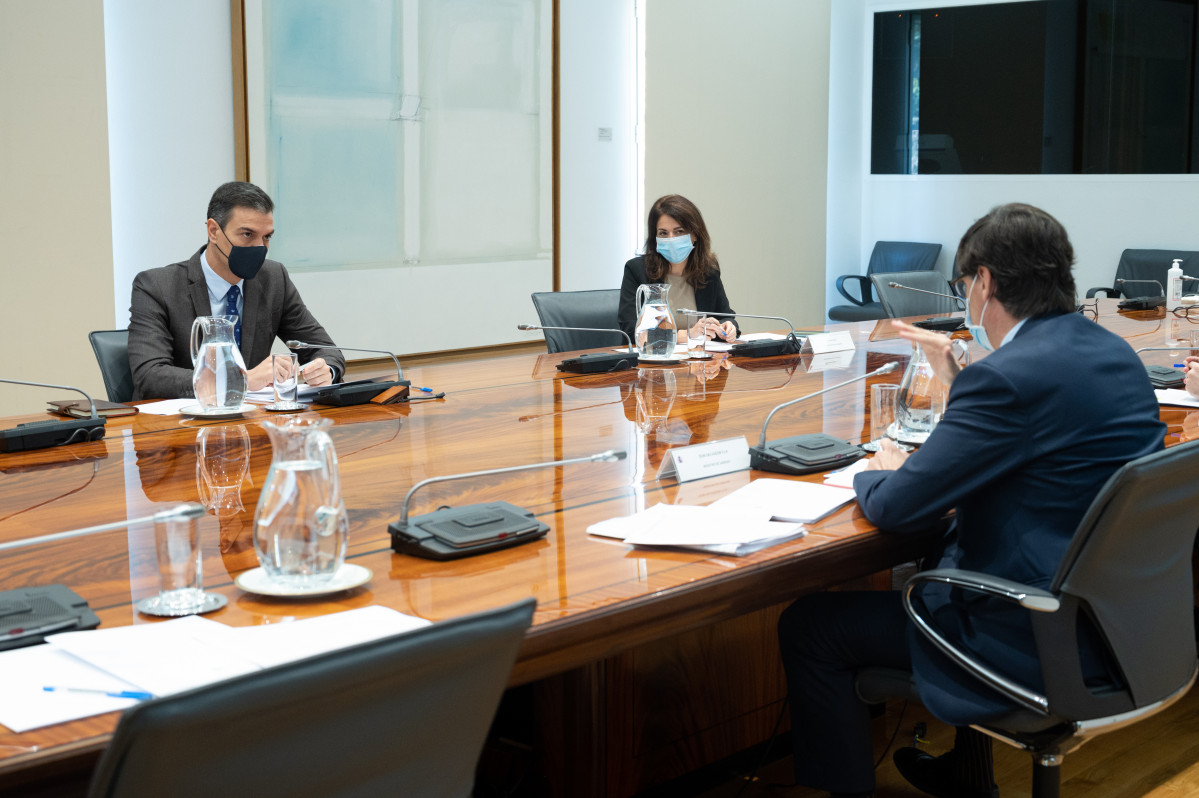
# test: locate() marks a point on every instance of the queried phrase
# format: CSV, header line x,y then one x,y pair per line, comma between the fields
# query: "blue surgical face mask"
x,y
675,249
977,330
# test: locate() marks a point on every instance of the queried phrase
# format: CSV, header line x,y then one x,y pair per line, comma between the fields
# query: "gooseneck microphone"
x,y
954,297
1160,287
941,323
360,391
787,346
52,432
803,454
452,532
594,362
177,513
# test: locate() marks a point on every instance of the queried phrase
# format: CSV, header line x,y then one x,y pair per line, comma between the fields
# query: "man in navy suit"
x,y
1030,434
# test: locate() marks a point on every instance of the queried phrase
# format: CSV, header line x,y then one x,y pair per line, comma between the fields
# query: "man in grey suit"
x,y
230,275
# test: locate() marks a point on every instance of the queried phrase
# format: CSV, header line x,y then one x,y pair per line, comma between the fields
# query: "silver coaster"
x,y
153,606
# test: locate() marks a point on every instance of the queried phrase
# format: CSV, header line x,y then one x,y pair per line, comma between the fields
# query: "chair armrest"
x,y
863,288
1028,597
1107,292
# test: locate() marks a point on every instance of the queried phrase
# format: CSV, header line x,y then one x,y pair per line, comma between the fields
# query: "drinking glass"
x,y
697,340
286,370
180,575
882,413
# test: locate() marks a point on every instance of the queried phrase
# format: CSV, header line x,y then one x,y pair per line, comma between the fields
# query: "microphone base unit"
x,y
804,454
1165,377
454,532
359,393
598,362
787,346
941,324
53,432
1142,303
28,614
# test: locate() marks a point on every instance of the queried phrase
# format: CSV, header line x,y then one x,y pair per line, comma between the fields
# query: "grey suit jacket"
x,y
167,300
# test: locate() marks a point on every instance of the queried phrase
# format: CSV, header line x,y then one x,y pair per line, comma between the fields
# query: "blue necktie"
x,y
231,310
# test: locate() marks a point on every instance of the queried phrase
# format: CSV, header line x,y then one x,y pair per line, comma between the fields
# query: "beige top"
x,y
682,295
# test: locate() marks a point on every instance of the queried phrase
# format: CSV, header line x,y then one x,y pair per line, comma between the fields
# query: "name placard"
x,y
820,343
686,463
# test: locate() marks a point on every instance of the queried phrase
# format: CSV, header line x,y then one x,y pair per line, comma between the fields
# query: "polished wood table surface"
x,y
596,598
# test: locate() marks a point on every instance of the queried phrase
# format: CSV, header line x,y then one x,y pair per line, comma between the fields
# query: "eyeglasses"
x,y
1186,311
1089,308
959,287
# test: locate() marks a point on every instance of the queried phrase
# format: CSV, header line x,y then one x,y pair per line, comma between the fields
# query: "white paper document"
x,y
165,658
786,500
1176,396
703,528
843,477
167,407
25,705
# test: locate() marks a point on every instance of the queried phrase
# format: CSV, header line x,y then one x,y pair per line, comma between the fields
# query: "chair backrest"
x,y
404,715
112,353
1128,568
579,309
902,256
1152,264
899,302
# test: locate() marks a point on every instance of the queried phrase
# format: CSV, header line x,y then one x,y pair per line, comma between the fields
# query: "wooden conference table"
x,y
640,665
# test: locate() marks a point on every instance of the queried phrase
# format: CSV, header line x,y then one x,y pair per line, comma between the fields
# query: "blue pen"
x,y
138,694
426,390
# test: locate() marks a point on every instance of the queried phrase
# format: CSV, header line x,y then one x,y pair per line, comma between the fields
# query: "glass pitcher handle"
x,y
195,339
642,293
325,453
961,350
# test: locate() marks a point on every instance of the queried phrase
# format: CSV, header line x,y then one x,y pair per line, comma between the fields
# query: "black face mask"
x,y
244,262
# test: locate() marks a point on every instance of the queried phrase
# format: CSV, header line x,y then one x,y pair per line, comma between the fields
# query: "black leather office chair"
x,y
888,256
900,302
579,309
1149,264
1128,570
405,715
112,353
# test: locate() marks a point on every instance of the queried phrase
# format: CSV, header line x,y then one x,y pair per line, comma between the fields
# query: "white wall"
x,y
170,123
737,121
1104,214
600,222
54,203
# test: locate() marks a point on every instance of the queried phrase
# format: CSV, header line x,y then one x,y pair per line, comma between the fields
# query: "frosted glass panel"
x,y
335,192
341,47
402,133
480,185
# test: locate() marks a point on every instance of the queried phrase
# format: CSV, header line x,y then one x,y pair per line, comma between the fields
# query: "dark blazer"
x,y
1029,436
710,298
167,300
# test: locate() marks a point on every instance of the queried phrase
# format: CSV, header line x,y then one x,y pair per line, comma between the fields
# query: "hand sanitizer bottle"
x,y
1174,285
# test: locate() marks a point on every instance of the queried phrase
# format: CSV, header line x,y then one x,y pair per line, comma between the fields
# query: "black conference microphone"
x,y
360,391
452,532
941,323
787,346
52,432
596,361
803,454
1142,302
1164,376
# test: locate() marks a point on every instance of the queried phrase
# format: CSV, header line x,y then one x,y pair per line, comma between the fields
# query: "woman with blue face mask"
x,y
679,253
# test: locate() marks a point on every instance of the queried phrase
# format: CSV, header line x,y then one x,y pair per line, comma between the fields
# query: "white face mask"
x,y
977,330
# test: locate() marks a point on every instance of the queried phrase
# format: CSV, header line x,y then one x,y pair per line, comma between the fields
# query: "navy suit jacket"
x,y
167,300
1030,434
711,298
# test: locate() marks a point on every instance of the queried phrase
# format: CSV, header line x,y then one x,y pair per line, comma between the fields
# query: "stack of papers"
x,y
760,514
1176,396
88,669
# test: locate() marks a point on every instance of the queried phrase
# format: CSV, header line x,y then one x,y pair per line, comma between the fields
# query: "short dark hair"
x,y
702,261
1029,256
237,195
